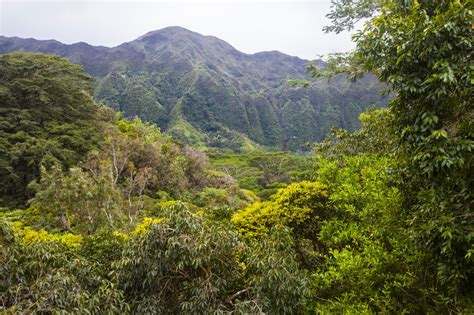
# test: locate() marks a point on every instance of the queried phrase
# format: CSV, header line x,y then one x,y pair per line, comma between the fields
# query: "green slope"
x,y
224,98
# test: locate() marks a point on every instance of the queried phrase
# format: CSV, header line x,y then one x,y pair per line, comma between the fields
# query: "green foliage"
x,y
47,116
185,263
183,131
218,137
180,265
291,206
273,271
220,202
180,262
346,13
40,273
77,201
112,186
423,51
365,264
262,172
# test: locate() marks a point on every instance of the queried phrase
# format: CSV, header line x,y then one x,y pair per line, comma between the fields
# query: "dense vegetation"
x,y
206,93
262,172
47,116
109,215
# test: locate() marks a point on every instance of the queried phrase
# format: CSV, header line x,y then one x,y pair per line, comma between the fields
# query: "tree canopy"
x,y
422,50
47,117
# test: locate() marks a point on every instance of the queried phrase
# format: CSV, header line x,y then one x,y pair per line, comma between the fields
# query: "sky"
x,y
293,27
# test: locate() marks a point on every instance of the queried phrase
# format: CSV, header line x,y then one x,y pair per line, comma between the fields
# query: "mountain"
x,y
203,91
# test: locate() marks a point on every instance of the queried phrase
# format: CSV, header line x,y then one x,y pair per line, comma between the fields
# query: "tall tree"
x,y
422,50
47,116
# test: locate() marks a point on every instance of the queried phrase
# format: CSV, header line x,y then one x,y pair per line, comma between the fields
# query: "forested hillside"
x,y
100,214
206,93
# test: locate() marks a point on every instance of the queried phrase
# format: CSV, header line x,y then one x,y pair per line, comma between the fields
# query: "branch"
x,y
231,298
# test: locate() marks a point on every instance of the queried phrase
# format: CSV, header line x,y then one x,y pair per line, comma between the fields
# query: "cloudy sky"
x,y
293,27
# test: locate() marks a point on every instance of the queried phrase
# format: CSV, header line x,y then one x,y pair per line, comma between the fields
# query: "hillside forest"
x,y
204,92
104,210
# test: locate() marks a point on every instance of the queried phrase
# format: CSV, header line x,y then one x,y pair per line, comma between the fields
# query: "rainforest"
x,y
176,175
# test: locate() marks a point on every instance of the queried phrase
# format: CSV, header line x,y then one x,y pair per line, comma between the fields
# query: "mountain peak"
x,y
185,41
168,31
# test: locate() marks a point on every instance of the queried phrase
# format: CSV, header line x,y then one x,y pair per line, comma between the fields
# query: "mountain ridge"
x,y
205,92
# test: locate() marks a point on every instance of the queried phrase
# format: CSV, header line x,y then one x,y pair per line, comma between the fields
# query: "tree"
x,y
368,262
423,51
179,263
77,201
47,116
41,272
302,207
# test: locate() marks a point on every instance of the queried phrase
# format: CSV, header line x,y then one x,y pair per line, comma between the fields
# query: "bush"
x,y
292,206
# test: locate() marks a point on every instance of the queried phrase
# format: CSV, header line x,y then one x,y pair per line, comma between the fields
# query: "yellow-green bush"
x,y
28,236
290,206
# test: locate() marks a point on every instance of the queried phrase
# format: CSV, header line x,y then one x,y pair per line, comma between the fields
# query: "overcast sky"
x,y
293,27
